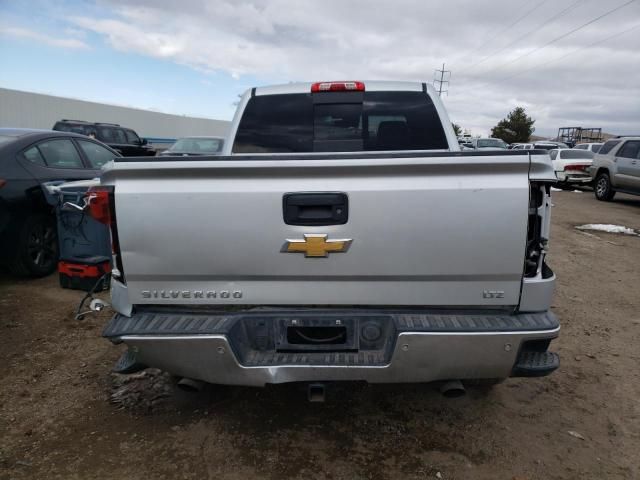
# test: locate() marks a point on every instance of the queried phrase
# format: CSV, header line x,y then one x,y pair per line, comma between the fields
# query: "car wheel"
x,y
36,249
603,189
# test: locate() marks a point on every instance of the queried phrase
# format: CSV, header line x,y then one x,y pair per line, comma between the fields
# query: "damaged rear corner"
x,y
538,280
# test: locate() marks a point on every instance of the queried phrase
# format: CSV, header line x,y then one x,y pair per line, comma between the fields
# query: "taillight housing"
x,y
344,86
101,207
99,204
580,168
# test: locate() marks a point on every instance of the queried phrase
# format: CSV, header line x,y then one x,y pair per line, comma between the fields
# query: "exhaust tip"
x,y
190,385
453,389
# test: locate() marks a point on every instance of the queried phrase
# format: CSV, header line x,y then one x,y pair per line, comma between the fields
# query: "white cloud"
x,y
286,40
17,32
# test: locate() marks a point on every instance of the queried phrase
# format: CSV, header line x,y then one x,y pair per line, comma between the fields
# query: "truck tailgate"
x,y
430,229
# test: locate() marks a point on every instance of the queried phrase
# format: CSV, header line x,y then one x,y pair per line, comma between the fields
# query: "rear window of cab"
x,y
343,122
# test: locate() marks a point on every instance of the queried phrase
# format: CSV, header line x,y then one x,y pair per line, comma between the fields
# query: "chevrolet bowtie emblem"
x,y
316,245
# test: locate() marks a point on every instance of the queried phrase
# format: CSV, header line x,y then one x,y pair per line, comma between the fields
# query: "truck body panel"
x,y
425,230
342,235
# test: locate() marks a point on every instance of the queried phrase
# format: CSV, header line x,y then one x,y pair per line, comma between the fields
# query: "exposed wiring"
x,y
89,295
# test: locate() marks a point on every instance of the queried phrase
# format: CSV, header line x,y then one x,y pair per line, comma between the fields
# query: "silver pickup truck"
x,y
342,235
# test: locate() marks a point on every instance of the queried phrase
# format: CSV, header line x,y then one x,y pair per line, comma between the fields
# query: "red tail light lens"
x,y
101,207
580,168
3,182
99,201
337,87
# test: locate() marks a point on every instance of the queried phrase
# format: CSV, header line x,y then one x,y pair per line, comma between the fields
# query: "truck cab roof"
x,y
369,86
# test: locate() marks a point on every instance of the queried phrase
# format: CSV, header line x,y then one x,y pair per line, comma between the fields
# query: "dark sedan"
x,y
28,158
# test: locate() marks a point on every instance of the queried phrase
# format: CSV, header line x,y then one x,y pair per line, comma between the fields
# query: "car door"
x,y
115,138
627,159
134,143
54,159
634,171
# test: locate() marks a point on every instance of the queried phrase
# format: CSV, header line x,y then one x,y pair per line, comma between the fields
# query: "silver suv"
x,y
616,168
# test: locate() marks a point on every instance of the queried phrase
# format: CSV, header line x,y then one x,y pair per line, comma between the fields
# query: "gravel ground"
x,y
63,415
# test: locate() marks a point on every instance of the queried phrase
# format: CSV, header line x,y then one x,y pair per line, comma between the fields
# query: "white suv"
x,y
616,168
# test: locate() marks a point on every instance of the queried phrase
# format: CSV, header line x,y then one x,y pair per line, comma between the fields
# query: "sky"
x,y
568,62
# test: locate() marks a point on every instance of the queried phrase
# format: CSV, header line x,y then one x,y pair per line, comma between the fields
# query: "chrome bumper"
x,y
415,356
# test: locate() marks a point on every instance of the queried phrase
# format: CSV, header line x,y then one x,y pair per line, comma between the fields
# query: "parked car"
x,y
194,146
521,146
548,145
121,139
571,166
488,144
616,168
592,147
310,214
29,158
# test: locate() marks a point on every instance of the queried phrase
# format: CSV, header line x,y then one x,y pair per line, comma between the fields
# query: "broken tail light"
x,y
98,202
101,207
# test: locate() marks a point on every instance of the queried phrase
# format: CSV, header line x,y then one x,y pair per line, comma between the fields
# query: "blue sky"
x,y
568,62
98,72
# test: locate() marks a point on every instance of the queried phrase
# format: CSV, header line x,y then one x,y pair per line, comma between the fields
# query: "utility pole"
x,y
443,73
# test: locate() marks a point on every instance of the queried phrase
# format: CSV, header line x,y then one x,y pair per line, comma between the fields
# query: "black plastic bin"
x,y
82,240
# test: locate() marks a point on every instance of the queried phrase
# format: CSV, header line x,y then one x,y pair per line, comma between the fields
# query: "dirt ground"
x,y
57,419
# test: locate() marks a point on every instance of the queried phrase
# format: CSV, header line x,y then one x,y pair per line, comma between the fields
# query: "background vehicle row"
x,y
28,158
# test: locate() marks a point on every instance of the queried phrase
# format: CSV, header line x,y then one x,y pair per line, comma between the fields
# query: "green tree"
x,y
517,127
456,129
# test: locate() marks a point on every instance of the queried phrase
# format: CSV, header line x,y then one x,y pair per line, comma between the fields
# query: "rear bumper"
x,y
416,347
574,178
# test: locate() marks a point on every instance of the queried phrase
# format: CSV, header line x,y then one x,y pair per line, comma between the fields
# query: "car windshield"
x,y
576,154
197,145
491,142
546,146
595,148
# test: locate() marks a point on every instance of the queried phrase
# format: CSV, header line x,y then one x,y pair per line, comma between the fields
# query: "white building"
x,y
33,110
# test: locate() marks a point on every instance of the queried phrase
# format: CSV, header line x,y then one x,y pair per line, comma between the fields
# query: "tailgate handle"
x,y
313,208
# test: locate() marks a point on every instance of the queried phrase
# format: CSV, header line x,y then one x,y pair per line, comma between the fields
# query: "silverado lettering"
x,y
168,294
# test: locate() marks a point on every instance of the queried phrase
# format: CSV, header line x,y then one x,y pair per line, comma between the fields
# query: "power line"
x,y
565,35
573,52
536,29
442,81
515,22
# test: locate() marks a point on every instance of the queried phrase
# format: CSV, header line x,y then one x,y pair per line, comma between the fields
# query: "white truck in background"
x,y
342,235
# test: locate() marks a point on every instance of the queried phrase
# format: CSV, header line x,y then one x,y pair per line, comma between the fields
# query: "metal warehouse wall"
x,y
33,110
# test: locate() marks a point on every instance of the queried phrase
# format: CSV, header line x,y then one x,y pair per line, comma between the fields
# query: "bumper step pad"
x,y
536,364
176,323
